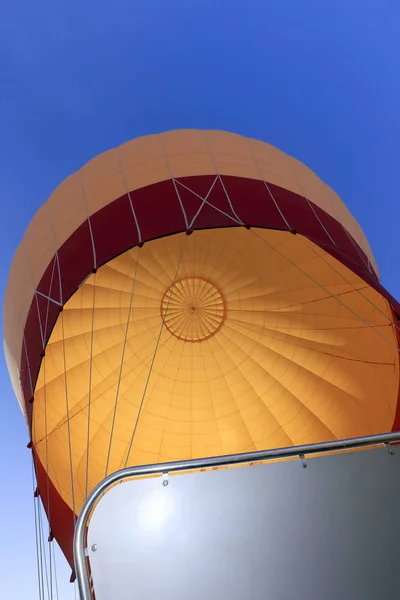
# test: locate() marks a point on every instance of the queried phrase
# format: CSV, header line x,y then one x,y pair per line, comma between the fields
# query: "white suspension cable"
x,y
48,301
43,549
325,289
28,365
310,204
256,163
90,387
206,201
88,220
154,353
238,219
129,197
174,183
38,557
356,248
47,477
309,245
68,418
122,360
55,571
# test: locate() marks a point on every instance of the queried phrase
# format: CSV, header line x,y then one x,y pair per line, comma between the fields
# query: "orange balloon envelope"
x,y
193,294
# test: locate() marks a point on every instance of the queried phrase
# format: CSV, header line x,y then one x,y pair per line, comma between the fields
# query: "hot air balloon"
x,y
187,295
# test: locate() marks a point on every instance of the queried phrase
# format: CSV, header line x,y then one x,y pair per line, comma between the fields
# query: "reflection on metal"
x,y
80,541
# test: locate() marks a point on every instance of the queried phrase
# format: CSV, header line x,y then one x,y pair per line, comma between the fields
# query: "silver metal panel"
x,y
276,531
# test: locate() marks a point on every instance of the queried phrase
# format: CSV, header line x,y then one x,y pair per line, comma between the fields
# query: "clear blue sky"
x,y
317,78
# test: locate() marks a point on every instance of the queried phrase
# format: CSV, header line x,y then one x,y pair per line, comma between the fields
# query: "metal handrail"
x,y
191,465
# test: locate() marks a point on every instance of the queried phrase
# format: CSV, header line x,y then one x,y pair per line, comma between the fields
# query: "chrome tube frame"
x,y
79,544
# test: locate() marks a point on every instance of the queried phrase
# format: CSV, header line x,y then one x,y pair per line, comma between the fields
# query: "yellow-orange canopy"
x,y
131,342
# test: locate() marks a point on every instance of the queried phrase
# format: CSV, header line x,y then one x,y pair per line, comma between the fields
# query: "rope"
x,y
154,354
239,220
68,420
355,246
325,289
310,204
38,556
174,183
90,389
39,319
43,548
47,475
28,365
55,570
122,362
203,203
206,201
48,301
309,245
267,186
129,196
88,220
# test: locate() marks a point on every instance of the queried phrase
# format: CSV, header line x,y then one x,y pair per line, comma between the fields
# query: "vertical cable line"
x,y
48,301
90,388
220,179
155,352
47,476
88,220
55,570
38,556
29,369
122,361
356,248
310,204
174,182
68,419
129,196
335,297
267,186
43,547
375,306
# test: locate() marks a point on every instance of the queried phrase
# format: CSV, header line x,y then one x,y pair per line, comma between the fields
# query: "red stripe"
x,y
159,214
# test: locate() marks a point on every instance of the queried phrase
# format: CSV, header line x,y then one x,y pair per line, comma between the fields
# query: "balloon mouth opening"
x,y
193,308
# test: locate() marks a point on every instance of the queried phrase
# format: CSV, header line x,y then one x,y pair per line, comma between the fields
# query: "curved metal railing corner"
x,y
79,543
